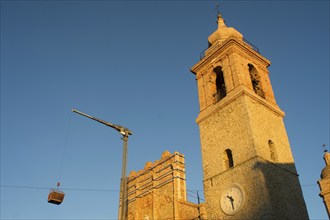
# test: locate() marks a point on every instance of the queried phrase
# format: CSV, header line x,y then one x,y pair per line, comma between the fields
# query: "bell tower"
x,y
249,170
324,182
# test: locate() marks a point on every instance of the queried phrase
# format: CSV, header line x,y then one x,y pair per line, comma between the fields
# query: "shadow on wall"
x,y
284,190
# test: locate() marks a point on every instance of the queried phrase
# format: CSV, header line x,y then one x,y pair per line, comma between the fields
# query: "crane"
x,y
125,133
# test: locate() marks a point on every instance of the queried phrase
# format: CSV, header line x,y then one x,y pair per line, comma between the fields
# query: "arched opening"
x,y
255,80
272,150
220,84
228,159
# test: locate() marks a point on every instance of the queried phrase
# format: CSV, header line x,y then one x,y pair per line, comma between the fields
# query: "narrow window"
x,y
220,84
228,159
255,80
272,150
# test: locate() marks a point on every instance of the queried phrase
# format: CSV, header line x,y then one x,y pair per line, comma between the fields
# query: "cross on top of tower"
x,y
220,20
218,11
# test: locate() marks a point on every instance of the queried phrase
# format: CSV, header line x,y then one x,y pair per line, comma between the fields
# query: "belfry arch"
x,y
255,80
220,84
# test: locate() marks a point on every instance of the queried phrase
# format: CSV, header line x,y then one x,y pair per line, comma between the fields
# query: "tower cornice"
x,y
227,47
239,91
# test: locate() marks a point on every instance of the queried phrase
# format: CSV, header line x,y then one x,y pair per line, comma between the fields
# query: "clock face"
x,y
232,199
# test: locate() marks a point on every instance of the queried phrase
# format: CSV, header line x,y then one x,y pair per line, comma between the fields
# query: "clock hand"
x,y
230,198
231,201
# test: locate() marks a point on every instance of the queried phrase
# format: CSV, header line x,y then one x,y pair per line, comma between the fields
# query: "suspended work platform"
x,y
55,196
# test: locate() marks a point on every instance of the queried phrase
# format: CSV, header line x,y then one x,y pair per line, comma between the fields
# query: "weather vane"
x,y
217,7
325,149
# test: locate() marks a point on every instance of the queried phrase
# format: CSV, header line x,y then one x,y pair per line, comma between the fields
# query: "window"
x,y
228,159
255,80
220,84
272,150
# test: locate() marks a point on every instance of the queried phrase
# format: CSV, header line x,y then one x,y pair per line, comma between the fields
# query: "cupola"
x,y
326,171
223,32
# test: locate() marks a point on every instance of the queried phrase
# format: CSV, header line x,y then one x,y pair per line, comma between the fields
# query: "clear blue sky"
x,y
128,62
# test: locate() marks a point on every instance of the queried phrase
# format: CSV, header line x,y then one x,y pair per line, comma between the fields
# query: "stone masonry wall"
x,y
244,123
159,191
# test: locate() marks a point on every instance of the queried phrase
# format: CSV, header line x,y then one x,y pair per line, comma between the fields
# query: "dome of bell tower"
x,y
223,32
326,171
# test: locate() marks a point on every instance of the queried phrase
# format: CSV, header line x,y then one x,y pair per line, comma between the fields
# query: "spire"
x,y
326,155
220,20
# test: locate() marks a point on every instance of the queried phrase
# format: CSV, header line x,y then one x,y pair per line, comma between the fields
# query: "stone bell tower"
x,y
249,170
324,183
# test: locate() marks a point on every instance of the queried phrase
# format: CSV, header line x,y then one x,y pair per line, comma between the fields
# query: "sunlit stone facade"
x,y
249,170
159,191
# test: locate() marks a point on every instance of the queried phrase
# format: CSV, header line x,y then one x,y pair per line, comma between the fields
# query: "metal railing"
x,y
202,54
253,46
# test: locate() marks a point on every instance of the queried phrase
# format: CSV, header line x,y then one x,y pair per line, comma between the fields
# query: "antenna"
x,y
325,149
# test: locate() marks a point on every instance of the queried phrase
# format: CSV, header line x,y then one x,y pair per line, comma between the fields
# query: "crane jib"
x,y
119,128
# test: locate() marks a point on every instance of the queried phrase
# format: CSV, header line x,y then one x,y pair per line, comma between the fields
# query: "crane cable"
x,y
59,177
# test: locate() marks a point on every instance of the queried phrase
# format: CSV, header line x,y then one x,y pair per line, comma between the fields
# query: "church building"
x,y
248,167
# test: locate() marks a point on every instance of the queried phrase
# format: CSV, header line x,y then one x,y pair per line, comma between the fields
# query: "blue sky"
x,y
128,62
